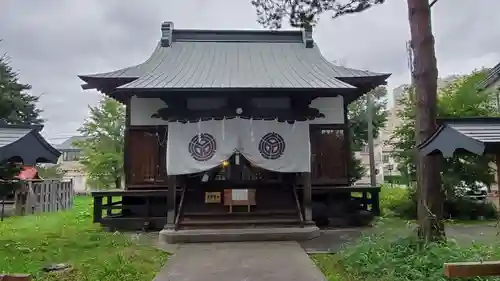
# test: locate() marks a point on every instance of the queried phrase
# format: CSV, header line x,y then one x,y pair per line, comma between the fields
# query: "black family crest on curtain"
x,y
272,146
202,147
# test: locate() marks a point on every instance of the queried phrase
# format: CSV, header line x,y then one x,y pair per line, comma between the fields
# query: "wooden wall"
x,y
147,156
330,155
146,144
146,148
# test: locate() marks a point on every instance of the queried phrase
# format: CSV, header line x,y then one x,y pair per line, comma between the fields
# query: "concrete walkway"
x,y
245,261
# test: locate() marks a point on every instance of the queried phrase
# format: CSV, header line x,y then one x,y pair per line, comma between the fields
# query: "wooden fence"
x,y
39,196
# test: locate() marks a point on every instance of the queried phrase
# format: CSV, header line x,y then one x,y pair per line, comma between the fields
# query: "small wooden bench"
x,y
472,269
15,277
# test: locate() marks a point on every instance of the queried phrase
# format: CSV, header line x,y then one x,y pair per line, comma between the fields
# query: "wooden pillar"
x,y
97,208
171,196
498,178
109,206
307,198
126,143
375,198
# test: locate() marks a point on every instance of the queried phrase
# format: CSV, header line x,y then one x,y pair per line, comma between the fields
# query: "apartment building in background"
x,y
68,163
491,84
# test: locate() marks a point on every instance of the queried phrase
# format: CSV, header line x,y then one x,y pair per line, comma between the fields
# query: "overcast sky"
x,y
50,42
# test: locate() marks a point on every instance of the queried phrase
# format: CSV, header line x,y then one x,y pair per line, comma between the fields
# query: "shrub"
x,y
384,257
393,198
395,179
402,203
464,208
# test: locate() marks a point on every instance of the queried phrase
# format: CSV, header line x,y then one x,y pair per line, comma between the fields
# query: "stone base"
x,y
239,235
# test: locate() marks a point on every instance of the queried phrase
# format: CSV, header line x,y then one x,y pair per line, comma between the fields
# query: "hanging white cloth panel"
x,y
200,146
276,146
271,145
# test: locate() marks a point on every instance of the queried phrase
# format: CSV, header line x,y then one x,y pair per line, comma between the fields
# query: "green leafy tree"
x,y
50,172
271,13
102,149
358,118
300,13
358,127
18,107
460,98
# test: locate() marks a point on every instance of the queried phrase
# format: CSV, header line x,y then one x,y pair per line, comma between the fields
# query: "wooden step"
x,y
242,213
276,221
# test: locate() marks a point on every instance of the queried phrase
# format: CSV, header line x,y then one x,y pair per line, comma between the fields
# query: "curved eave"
x,y
375,80
255,92
105,84
122,76
448,140
32,148
52,150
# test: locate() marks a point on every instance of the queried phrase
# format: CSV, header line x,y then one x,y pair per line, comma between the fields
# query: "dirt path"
x,y
332,240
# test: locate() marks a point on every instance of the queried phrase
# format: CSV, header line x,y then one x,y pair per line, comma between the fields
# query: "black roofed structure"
x,y
220,122
476,135
24,143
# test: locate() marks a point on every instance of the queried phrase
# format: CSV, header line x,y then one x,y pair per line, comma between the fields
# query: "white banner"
x,y
277,146
271,145
198,147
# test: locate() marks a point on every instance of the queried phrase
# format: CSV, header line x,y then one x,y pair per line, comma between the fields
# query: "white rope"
x,y
251,130
223,128
199,131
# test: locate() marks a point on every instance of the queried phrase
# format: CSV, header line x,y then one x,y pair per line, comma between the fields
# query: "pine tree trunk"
x,y
430,193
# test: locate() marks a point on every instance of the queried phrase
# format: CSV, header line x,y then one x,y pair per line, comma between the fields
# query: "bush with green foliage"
x,y
396,257
391,197
395,179
103,146
456,99
402,202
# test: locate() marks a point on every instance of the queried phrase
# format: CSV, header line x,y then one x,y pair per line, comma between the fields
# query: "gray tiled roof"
x,y
235,59
239,65
473,134
493,75
69,143
11,135
481,131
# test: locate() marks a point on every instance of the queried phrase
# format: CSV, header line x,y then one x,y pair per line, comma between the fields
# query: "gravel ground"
x,y
332,240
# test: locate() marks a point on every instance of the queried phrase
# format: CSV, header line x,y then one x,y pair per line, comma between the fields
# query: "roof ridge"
x,y
233,35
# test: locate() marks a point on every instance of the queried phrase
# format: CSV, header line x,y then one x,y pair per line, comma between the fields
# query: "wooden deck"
x,y
146,209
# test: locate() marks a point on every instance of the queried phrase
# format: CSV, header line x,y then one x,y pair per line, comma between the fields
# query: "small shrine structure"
x,y
24,144
233,129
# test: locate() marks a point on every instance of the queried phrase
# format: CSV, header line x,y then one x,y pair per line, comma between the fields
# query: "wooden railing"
x,y
123,210
39,196
179,210
297,203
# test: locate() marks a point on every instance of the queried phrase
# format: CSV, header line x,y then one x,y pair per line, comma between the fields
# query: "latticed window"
x,y
71,155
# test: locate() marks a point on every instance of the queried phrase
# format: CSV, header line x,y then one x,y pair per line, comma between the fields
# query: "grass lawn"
x,y
27,244
391,252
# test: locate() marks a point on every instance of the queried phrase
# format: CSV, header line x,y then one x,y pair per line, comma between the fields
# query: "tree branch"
x,y
301,13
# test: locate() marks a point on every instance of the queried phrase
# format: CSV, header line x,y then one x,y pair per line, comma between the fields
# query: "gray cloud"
x,y
52,41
